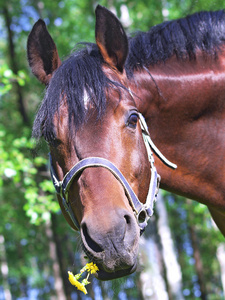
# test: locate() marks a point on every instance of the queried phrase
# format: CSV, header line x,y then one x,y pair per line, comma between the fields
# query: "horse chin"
x,y
126,264
104,275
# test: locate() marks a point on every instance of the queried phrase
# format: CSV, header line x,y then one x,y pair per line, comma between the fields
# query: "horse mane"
x,y
82,71
183,37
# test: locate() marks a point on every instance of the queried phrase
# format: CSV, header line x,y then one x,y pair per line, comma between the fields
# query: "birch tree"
x,y
221,259
173,270
152,282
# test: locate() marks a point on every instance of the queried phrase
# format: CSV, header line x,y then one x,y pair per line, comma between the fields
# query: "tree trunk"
x,y
151,281
14,66
221,259
4,269
198,262
197,255
58,242
172,267
56,267
64,261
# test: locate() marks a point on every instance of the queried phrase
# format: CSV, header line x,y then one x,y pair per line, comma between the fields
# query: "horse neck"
x,y
184,105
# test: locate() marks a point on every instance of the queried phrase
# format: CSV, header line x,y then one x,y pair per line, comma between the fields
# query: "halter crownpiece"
x,y
141,211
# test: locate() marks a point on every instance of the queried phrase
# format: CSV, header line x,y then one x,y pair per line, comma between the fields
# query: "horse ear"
x,y
111,38
42,54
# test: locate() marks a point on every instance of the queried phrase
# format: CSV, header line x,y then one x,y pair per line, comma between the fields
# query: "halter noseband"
x,y
141,211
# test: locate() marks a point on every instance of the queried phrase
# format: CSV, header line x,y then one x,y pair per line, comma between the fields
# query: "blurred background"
x,y
182,254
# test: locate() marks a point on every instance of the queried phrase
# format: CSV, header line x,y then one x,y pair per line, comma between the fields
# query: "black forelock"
x,y
81,72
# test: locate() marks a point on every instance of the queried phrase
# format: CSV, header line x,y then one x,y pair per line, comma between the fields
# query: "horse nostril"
x,y
90,242
128,219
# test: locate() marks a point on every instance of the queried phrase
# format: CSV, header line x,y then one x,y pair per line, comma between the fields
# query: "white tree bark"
x,y
151,280
221,259
173,270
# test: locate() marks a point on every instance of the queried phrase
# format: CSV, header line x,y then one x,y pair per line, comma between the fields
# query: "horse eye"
x,y
132,120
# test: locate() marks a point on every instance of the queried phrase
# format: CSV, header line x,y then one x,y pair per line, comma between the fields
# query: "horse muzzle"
x,y
114,250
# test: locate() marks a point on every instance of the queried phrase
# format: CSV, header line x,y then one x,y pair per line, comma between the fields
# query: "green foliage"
x,y
7,77
19,168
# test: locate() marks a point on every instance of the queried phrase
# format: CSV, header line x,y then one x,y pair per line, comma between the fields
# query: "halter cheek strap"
x,y
141,211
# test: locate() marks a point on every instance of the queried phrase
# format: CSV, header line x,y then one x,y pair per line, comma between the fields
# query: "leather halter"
x,y
141,211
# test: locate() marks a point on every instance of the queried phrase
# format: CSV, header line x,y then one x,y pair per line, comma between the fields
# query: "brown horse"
x,y
174,75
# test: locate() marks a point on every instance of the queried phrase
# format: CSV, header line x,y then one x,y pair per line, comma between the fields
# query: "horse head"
x,y
98,156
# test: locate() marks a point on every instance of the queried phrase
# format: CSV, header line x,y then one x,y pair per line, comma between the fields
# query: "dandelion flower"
x,y
76,283
92,268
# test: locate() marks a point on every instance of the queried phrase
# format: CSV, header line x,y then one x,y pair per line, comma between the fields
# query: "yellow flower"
x,y
92,268
81,287
76,283
72,278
